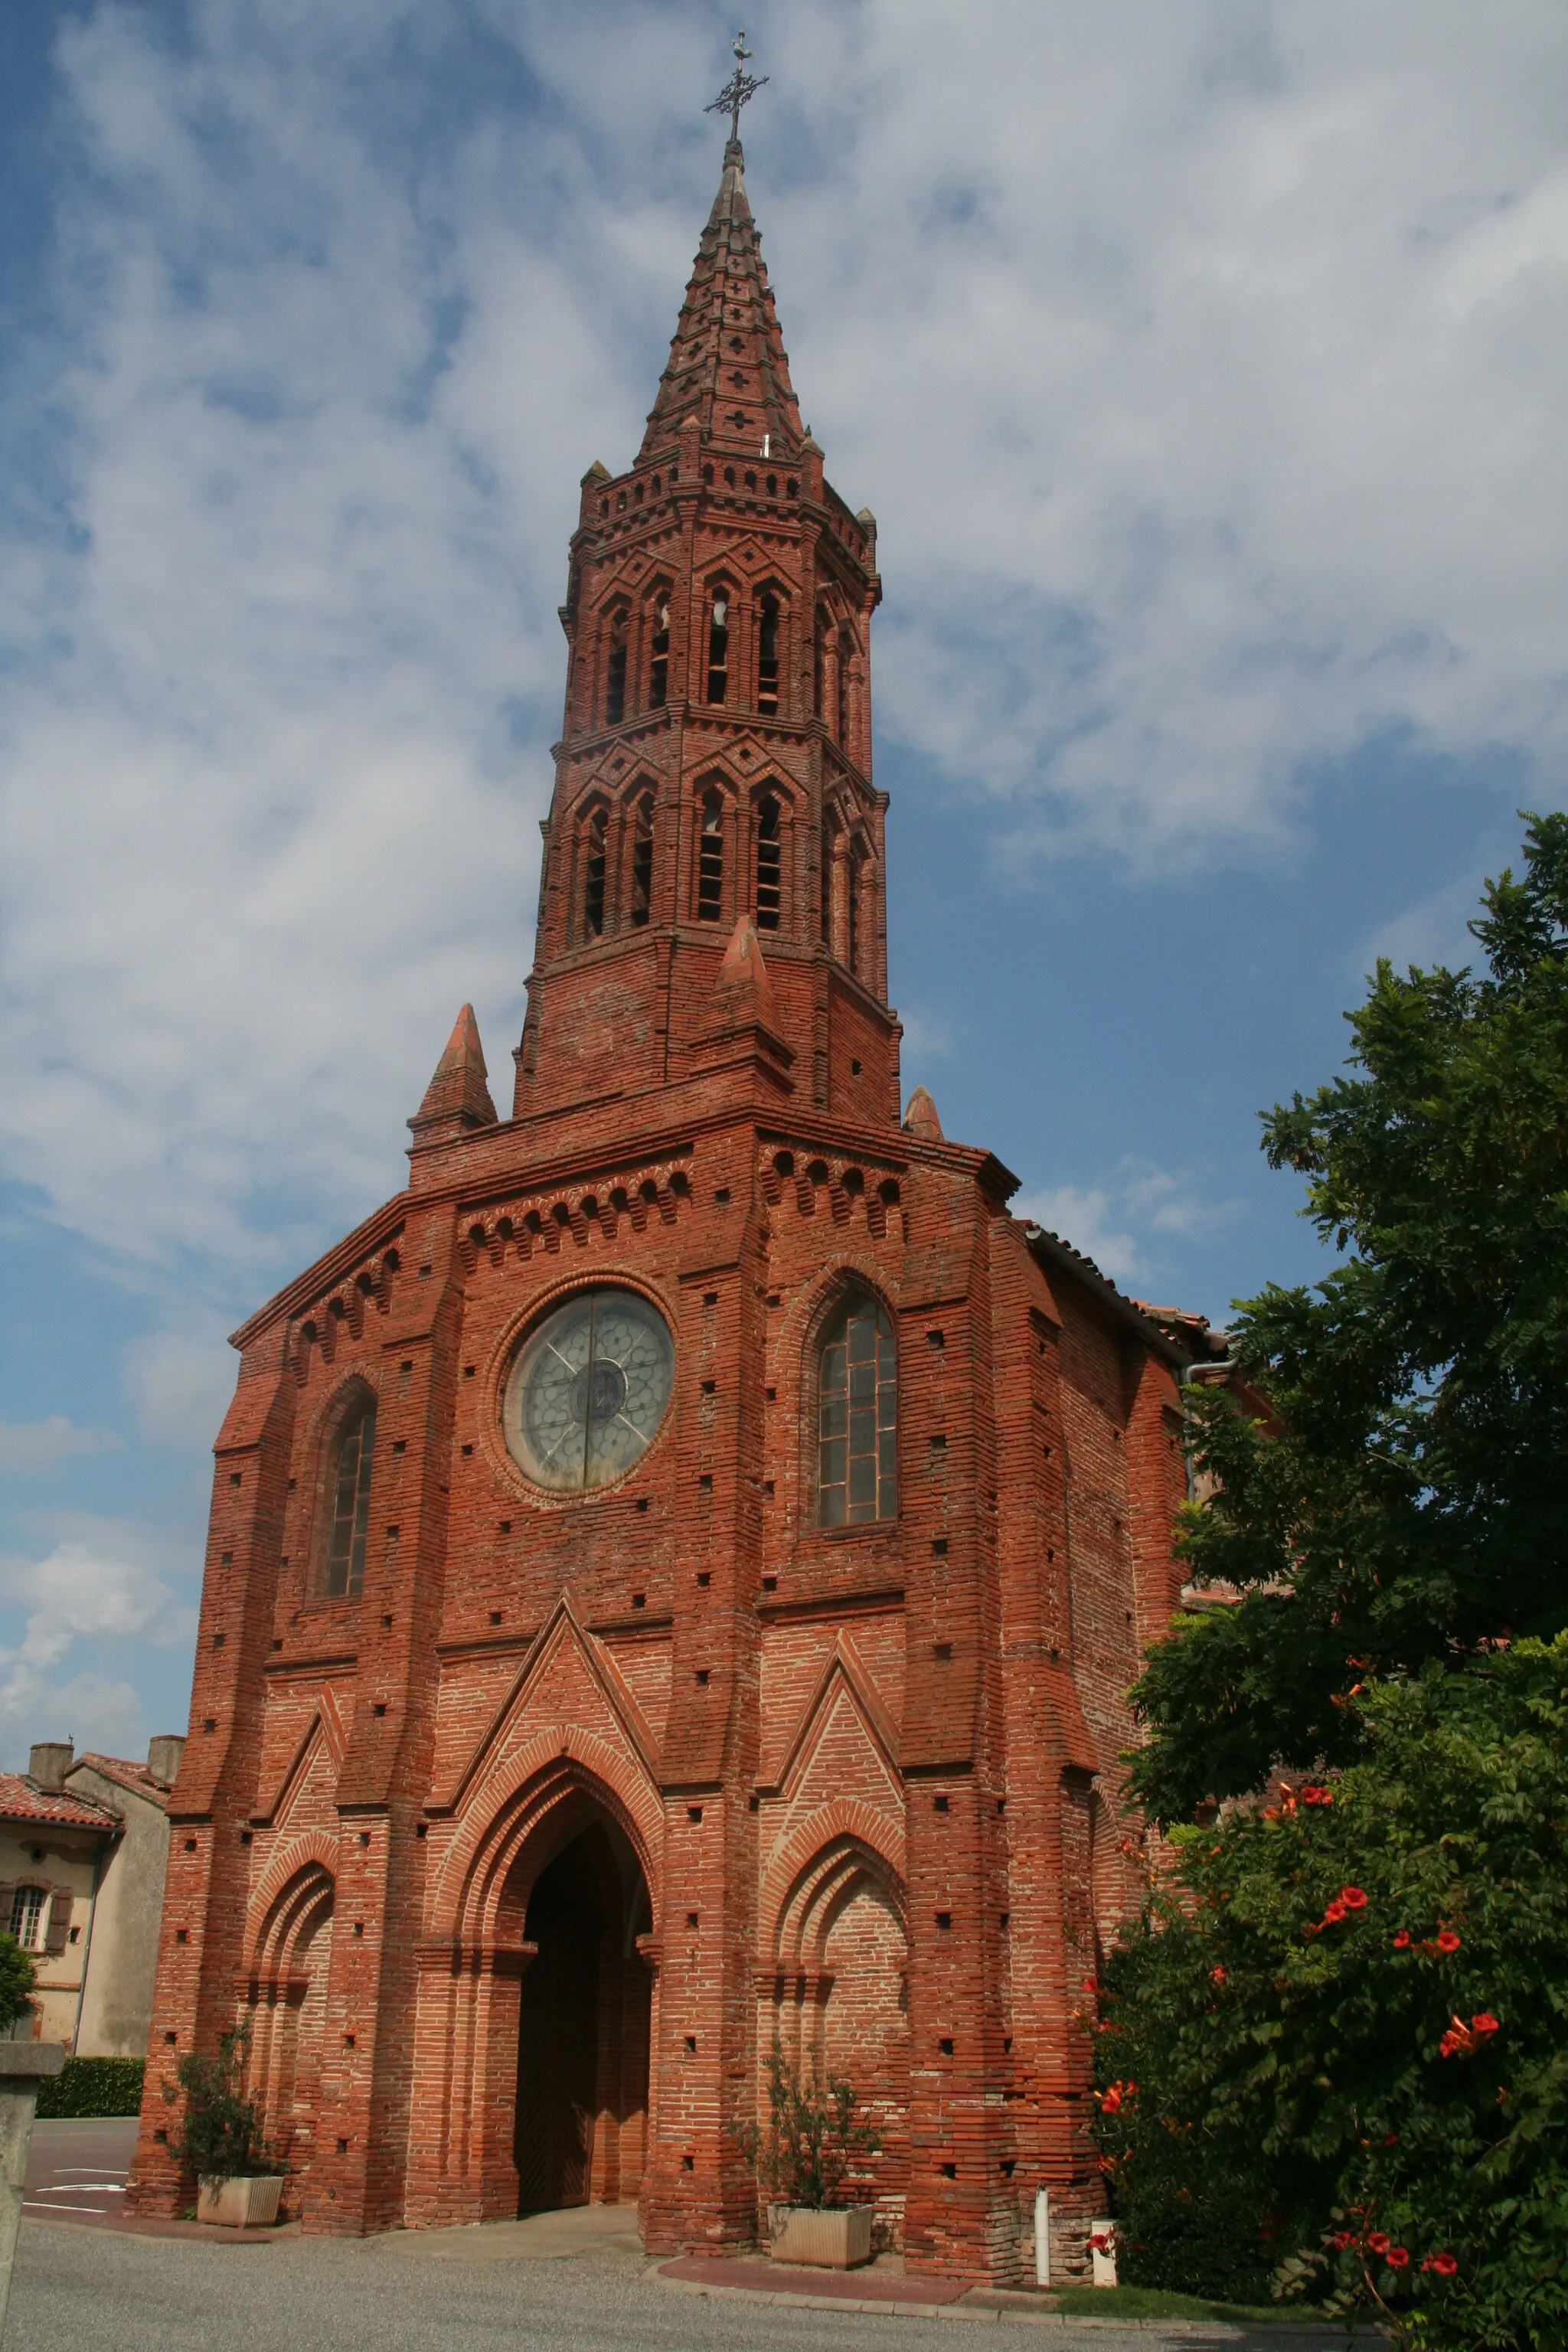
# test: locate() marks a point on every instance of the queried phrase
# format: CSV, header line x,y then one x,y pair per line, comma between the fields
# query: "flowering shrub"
x,y
1349,2025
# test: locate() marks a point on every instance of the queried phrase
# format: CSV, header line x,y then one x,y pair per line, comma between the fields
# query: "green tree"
x,y
1338,2043
1407,1497
18,1975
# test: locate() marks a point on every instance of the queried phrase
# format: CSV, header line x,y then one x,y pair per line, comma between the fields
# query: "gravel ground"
x,y
93,2290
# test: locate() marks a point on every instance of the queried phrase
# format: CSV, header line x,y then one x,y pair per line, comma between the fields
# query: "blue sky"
x,y
1205,367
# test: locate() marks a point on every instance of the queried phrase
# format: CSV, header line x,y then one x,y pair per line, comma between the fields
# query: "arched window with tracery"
x,y
615,670
719,646
340,1576
594,855
770,862
658,661
768,658
642,860
857,1415
710,860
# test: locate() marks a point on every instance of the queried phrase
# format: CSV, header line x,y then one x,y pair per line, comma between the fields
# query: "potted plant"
x,y
802,2157
220,2138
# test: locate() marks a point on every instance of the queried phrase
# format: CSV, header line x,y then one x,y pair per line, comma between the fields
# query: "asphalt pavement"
x,y
586,2288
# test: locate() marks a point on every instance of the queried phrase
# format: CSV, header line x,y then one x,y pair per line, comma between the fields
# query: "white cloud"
x,y
39,1445
95,1710
100,1581
1122,1220
1434,931
1204,368
180,1383
1084,1216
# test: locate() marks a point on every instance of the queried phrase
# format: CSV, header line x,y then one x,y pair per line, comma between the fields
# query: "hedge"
x,y
93,2086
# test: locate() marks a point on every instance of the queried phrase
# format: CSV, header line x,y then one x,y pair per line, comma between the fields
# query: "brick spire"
x,y
458,1098
728,366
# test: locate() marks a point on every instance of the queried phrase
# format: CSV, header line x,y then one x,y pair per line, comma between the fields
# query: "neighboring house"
x,y
83,1845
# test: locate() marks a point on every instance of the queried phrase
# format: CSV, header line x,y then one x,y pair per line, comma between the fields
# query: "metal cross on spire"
x,y
740,87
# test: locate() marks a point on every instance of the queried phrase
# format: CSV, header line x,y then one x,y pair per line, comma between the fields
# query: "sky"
x,y
1204,366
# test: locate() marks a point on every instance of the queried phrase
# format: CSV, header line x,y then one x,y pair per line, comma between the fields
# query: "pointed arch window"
x,y
348,1503
642,860
830,859
770,862
615,670
719,646
845,647
593,862
819,664
710,860
857,1415
658,663
858,864
768,658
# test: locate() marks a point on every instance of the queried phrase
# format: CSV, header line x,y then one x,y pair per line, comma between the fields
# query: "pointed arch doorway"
x,y
583,2021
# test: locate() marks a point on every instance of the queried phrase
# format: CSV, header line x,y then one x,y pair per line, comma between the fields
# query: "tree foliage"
x,y
804,2152
1343,2036
18,1977
1407,1496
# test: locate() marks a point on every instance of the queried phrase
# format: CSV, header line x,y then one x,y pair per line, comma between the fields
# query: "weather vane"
x,y
741,87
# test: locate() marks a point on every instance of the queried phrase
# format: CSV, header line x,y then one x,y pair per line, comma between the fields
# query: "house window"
x,y
718,647
857,1409
29,1905
342,1570
642,861
658,666
710,861
768,658
770,864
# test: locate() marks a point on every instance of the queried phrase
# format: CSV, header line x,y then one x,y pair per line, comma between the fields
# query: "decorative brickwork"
x,y
519,1817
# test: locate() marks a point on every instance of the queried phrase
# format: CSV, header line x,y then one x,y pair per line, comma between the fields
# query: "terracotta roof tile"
x,y
21,1801
126,1774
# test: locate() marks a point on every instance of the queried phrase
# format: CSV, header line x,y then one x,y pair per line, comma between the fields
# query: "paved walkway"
x,y
556,2283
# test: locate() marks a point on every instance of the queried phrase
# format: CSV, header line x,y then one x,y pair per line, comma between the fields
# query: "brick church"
x,y
675,1568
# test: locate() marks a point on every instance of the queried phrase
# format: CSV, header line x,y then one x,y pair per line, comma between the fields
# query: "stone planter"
x,y
246,2204
829,2238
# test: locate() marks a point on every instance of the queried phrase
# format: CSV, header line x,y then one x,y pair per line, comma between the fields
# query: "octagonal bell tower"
x,y
715,762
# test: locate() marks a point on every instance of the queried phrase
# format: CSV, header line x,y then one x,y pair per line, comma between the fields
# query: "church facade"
x,y
675,1569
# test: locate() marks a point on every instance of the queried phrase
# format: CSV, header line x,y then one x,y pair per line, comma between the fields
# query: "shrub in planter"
x,y
220,2138
93,2086
803,2155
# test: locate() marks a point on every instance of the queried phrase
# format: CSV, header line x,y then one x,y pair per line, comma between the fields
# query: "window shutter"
x,y
7,1896
60,1905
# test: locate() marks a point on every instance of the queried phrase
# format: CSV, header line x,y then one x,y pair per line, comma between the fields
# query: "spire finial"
x,y
740,87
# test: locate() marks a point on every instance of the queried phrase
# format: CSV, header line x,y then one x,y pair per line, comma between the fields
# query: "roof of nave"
x,y
22,1800
1182,1339
728,366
